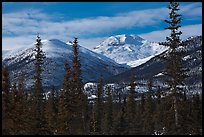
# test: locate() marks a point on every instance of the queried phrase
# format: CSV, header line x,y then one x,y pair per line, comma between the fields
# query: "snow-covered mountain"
x,y
155,67
21,63
130,49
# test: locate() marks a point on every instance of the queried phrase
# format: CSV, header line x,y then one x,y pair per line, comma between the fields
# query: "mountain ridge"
x,y
154,67
21,62
129,49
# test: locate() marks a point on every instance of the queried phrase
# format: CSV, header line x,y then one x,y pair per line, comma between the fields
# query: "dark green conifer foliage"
x,y
148,128
158,113
6,102
19,112
108,121
175,72
120,122
63,116
78,90
98,110
131,109
51,113
39,97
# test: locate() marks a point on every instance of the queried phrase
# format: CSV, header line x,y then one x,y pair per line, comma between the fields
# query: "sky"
x,y
92,22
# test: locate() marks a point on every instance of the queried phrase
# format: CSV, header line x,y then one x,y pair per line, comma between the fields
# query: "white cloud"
x,y
9,43
160,35
23,25
194,9
25,22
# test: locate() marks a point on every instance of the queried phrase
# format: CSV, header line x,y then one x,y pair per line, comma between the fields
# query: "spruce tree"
x,y
158,113
196,125
148,111
175,72
76,64
63,116
6,102
120,124
66,104
98,109
131,110
108,121
19,112
77,88
22,111
51,112
39,94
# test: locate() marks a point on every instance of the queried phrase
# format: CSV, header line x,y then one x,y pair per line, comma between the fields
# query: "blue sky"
x,y
92,22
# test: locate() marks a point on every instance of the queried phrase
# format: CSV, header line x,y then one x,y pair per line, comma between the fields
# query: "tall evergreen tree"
x,y
67,83
66,104
22,111
39,94
98,110
78,90
158,113
120,124
63,116
77,82
175,71
196,125
108,121
14,102
19,112
148,111
131,109
51,113
6,102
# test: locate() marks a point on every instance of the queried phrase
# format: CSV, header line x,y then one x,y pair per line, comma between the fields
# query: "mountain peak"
x,y
128,48
122,39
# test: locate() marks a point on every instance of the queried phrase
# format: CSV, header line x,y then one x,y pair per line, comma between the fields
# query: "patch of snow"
x,y
92,97
186,57
159,74
139,61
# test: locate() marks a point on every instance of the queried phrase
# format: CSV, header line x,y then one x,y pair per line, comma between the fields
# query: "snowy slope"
x,y
155,67
21,63
130,49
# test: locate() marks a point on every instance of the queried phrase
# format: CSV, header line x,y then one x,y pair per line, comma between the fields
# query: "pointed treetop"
x,y
38,38
75,40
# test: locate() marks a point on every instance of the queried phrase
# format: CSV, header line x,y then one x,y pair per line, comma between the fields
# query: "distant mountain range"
x,y
116,59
